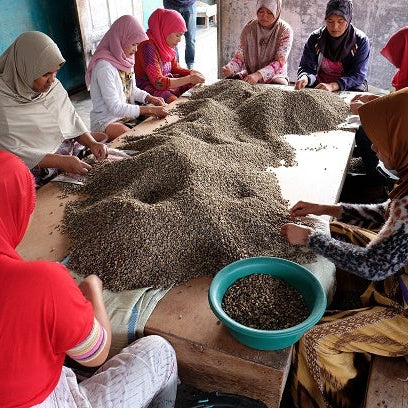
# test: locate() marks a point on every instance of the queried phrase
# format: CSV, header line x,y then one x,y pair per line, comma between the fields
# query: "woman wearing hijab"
x,y
156,67
335,56
110,78
395,51
45,316
38,122
330,363
264,47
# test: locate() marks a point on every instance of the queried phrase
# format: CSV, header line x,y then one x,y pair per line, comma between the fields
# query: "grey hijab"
x,y
31,55
33,124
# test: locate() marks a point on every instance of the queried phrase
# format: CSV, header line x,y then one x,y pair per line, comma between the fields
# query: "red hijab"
x,y
396,51
17,194
163,22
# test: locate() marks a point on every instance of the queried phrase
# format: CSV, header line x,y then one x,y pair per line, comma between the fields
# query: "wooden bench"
x,y
387,385
207,11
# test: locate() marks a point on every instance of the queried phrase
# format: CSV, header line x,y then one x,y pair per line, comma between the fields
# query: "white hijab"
x,y
34,124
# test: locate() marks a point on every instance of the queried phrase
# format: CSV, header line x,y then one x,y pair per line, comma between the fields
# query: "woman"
x,y
156,67
111,80
38,122
396,51
45,316
335,56
264,47
330,362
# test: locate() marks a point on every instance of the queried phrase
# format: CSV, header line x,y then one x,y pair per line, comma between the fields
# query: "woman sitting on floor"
x,y
45,316
157,69
330,363
335,56
38,122
264,47
110,77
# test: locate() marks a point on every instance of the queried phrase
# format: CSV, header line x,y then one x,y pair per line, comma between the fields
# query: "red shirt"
x,y
43,314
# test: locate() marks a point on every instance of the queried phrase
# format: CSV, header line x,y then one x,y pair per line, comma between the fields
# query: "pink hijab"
x,y
161,23
124,31
396,51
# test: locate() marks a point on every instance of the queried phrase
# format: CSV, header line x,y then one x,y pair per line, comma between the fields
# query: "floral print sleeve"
x,y
237,61
278,65
383,257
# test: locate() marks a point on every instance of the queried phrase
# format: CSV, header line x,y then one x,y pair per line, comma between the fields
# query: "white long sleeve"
x,y
108,99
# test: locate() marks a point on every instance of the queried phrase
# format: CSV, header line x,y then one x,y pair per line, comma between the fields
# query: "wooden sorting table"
x,y
209,358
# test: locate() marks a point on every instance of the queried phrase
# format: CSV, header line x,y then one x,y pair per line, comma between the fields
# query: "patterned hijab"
x,y
396,51
17,194
124,31
337,48
260,44
385,121
162,23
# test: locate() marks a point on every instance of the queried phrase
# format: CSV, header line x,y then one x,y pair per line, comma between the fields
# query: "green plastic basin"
x,y
294,274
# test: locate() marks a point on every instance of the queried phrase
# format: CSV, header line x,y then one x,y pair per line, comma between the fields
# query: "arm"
x,y
236,64
308,64
375,262
99,150
184,76
153,69
370,216
303,208
108,81
384,256
357,66
281,57
101,334
68,163
363,215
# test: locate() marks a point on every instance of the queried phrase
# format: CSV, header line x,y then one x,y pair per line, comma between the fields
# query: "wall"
x,y
377,18
59,20
56,19
148,7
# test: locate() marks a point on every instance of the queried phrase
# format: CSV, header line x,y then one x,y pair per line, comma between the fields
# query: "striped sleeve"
x,y
92,346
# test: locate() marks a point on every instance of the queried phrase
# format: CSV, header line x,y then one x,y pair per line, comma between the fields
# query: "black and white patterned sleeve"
x,y
383,257
370,216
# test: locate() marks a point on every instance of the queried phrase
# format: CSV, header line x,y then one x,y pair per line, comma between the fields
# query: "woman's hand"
x,y
91,286
227,71
295,234
159,111
303,208
360,100
254,78
196,78
301,82
331,87
99,150
71,164
156,101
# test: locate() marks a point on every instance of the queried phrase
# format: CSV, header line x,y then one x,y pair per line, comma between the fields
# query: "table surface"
x,y
209,357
